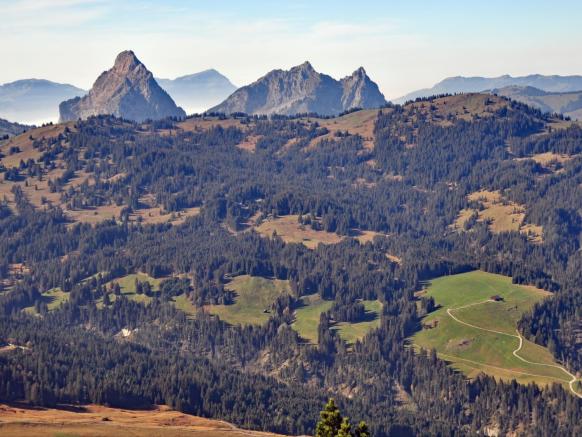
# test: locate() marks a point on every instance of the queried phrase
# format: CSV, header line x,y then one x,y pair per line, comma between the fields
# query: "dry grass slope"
x,y
501,214
355,123
99,421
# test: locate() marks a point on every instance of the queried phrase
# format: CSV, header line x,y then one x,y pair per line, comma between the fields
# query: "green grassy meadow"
x,y
253,295
127,285
53,299
473,350
307,316
351,332
307,319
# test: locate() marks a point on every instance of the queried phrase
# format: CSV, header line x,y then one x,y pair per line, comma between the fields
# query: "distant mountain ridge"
x,y
127,90
303,90
461,84
567,103
199,91
34,101
11,129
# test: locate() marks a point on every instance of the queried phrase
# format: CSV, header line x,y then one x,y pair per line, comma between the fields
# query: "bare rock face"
x,y
360,92
128,90
303,90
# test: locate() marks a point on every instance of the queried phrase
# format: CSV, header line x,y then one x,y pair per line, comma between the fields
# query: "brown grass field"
x,y
249,143
548,160
503,215
291,231
464,106
99,421
356,123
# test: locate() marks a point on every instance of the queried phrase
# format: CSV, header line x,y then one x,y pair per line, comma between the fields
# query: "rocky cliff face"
x,y
128,90
360,92
303,90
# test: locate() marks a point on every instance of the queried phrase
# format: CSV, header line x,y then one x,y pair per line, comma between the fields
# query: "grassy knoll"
x,y
253,295
307,316
351,332
473,349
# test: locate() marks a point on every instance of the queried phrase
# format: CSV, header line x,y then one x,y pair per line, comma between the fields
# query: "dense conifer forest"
x,y
408,188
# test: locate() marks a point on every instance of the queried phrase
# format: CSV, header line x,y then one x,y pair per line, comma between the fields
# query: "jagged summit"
x,y
359,91
126,61
302,89
127,90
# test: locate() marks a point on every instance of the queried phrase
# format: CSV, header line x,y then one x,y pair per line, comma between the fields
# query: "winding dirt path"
x,y
572,377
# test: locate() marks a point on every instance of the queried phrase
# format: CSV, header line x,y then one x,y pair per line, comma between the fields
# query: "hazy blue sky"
x,y
404,45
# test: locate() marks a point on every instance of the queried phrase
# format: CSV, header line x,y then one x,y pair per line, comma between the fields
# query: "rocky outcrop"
x,y
128,90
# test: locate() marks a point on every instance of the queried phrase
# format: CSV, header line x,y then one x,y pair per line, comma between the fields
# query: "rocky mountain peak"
x,y
360,72
127,90
305,67
359,91
126,61
303,90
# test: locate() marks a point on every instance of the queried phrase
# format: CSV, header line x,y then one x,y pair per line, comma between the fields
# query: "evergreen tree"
x,y
345,428
362,430
331,421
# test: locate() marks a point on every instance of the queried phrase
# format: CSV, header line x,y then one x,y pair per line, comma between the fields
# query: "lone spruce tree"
x,y
345,428
332,424
362,430
330,421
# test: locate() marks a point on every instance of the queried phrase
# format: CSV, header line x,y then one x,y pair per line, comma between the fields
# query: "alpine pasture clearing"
x,y
128,289
547,158
501,214
184,304
52,298
352,332
254,297
291,231
307,316
355,123
100,421
477,333
311,307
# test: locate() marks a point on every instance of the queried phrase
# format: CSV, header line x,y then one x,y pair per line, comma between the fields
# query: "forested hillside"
x,y
351,210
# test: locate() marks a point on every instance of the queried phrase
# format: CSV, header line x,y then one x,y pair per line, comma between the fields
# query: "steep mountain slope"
x,y
199,91
360,92
303,90
460,84
128,90
569,104
34,101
